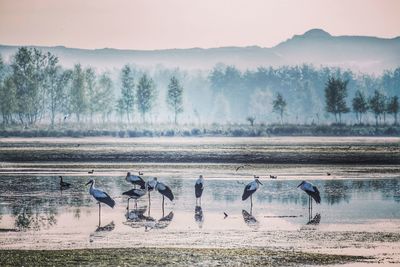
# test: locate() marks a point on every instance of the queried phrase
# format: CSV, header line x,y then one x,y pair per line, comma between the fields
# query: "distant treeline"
x,y
36,90
215,130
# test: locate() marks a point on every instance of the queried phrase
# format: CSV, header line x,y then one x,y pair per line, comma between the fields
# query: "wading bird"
x,y
198,188
165,191
134,194
100,196
312,192
91,172
149,186
273,176
250,189
135,180
63,185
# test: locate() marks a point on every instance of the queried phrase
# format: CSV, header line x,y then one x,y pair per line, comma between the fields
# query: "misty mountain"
x,y
317,47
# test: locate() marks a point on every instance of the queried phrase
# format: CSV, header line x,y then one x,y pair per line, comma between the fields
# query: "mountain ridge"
x,y
368,54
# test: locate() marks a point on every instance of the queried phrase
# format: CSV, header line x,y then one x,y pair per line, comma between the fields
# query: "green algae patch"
x,y
170,256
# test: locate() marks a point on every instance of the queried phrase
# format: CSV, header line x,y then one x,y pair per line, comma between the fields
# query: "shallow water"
x,y
34,204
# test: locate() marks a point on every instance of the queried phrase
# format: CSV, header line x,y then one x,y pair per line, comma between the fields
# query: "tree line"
x,y
34,87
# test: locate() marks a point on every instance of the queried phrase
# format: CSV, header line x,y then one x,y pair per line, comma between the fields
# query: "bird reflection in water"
x,y
101,231
136,219
249,219
198,216
316,220
162,223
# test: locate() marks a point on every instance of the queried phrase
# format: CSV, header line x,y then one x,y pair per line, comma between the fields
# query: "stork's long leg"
x,y
127,207
99,214
163,205
148,213
251,204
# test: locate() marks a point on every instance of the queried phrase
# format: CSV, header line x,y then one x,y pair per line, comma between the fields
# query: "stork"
x,y
135,180
100,196
198,188
312,192
250,189
149,186
165,191
134,194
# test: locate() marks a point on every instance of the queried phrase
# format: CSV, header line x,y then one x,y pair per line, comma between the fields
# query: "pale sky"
x,y
158,24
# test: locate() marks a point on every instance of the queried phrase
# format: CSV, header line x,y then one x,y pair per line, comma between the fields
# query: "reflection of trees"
x,y
336,191
28,219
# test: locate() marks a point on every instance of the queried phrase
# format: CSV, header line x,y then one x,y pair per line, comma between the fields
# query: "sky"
x,y
164,24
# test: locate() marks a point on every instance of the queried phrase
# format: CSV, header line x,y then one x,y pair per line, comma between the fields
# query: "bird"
x,y
328,173
100,196
164,190
63,185
149,186
273,176
250,189
241,166
198,216
312,192
91,172
225,215
134,194
198,188
135,180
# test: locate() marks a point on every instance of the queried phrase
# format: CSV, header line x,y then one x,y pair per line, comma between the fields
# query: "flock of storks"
x,y
154,185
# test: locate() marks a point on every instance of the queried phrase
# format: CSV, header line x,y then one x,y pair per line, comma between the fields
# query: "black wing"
x,y
141,183
168,193
315,195
247,192
198,189
107,200
132,193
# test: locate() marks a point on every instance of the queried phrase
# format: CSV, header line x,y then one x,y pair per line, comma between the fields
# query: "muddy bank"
x,y
296,150
169,256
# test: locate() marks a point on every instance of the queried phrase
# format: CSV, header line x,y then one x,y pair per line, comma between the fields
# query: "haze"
x,y
159,24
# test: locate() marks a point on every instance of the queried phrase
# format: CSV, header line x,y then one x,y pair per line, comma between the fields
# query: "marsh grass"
x,y
169,256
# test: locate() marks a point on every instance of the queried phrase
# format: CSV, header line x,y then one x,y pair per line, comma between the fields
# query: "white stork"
x,y
100,196
135,180
198,188
165,191
250,189
312,192
134,194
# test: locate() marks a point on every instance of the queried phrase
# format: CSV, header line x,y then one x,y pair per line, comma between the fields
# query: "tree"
x,y
377,105
127,99
7,99
105,96
146,95
279,105
91,91
251,120
360,105
78,101
174,97
335,97
393,107
28,72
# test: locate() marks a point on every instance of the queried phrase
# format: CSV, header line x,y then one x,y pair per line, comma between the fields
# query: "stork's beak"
x,y
88,182
259,182
299,184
